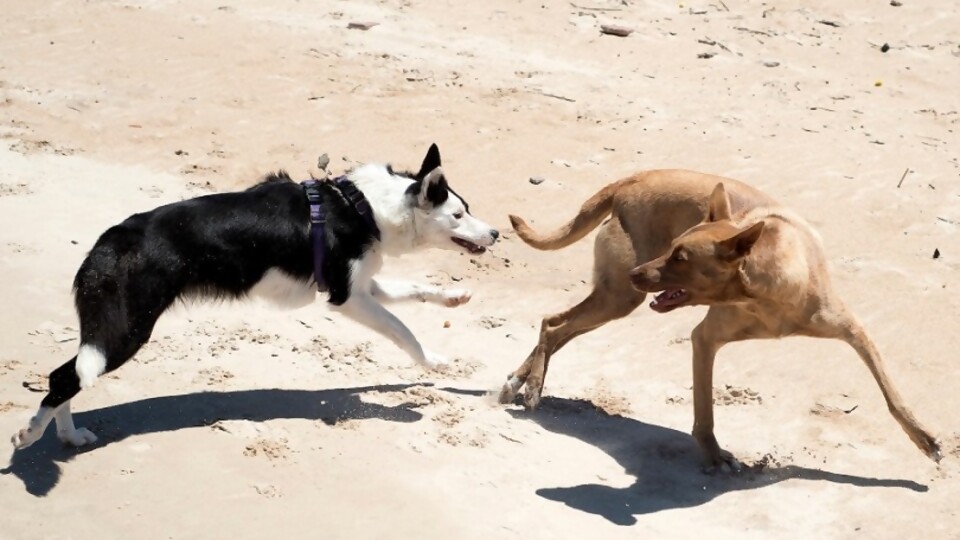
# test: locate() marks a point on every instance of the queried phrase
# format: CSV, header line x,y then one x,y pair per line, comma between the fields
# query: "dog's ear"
x,y
430,162
433,189
740,244
718,208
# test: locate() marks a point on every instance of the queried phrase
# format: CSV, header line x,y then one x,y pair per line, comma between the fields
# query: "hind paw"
x,y
78,437
531,396
24,438
509,390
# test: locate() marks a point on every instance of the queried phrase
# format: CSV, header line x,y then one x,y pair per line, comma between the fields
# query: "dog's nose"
x,y
495,234
642,277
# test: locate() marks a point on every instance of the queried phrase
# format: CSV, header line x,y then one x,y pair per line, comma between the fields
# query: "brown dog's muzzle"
x,y
645,279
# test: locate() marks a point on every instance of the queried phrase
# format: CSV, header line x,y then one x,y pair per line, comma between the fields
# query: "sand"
x,y
242,421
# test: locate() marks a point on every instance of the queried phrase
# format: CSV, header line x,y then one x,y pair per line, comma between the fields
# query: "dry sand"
x,y
240,421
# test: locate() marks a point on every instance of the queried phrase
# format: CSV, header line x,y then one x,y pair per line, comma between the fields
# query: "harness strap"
x,y
318,218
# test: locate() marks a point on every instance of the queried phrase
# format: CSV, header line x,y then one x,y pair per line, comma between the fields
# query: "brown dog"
x,y
703,240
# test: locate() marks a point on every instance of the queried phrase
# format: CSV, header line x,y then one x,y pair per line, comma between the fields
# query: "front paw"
x,y
716,459
436,362
722,461
456,297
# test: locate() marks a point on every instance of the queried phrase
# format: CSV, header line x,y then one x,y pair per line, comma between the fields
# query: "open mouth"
x,y
468,245
669,300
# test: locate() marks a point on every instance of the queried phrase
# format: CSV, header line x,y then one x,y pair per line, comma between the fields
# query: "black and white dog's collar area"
x,y
318,217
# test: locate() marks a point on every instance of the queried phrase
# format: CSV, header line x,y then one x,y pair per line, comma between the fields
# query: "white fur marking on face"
x,y
283,290
91,363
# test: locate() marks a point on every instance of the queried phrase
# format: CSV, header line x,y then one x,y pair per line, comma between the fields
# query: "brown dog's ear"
x,y
719,207
740,244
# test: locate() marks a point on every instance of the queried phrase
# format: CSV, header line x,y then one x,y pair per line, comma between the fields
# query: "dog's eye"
x,y
679,255
458,215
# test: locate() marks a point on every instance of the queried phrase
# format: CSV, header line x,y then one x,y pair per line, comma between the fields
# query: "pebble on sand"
x,y
615,30
361,25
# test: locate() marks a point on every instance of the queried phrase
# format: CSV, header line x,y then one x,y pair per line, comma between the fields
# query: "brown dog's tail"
x,y
591,214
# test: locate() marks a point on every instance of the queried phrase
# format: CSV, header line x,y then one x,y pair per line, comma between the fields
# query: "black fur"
x,y
216,246
438,192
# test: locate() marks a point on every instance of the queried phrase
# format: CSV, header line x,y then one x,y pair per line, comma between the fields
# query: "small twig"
x,y
752,31
905,171
830,23
595,8
950,221
554,96
511,439
724,5
361,25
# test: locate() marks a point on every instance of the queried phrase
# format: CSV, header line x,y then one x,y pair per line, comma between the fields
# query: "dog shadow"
x,y
38,466
665,463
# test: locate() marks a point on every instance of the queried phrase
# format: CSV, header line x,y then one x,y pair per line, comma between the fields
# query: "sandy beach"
x,y
240,420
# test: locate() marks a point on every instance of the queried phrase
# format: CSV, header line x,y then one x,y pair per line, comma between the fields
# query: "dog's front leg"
x,y
398,291
707,338
364,309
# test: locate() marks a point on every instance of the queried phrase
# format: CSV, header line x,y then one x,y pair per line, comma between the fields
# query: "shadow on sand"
x,y
665,463
38,466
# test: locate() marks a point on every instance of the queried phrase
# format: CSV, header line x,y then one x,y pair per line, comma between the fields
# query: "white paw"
x,y
456,297
25,437
436,361
78,437
509,390
531,397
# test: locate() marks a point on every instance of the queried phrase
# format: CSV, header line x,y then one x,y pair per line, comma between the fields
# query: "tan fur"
x,y
711,241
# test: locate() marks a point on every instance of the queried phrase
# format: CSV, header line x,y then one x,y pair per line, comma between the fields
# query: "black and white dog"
x,y
261,242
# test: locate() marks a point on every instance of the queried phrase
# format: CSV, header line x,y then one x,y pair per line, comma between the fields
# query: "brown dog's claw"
x,y
935,453
723,462
509,390
926,442
531,397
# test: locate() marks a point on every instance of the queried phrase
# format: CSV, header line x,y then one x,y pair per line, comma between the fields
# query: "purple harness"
x,y
318,218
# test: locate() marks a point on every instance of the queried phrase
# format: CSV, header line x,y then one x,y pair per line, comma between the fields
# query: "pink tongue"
x,y
665,295
665,299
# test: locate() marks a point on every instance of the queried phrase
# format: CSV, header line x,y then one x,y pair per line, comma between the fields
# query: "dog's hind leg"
x,y
120,343
64,384
518,377
604,304
69,433
840,324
